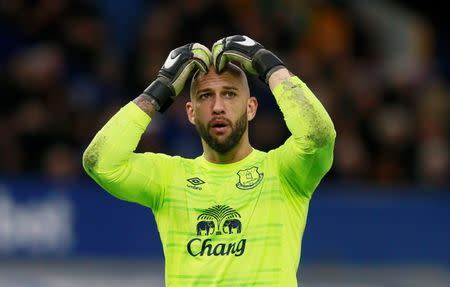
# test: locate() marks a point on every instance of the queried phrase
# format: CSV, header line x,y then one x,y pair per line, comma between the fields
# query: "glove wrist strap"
x,y
265,63
161,95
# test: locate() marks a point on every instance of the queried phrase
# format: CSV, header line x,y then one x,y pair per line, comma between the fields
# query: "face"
x,y
221,107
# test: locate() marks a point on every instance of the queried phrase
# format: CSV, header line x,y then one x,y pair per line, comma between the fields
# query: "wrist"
x,y
278,76
146,103
160,94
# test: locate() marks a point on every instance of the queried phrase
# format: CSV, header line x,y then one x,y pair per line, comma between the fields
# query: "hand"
x,y
177,68
249,53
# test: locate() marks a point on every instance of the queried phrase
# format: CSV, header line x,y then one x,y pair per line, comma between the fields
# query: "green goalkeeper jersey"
x,y
237,224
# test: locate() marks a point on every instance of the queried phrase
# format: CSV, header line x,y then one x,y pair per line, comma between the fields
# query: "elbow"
x,y
92,154
324,136
98,162
328,133
331,136
90,160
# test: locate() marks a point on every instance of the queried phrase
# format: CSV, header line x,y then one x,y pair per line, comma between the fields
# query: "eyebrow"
x,y
224,87
230,88
203,90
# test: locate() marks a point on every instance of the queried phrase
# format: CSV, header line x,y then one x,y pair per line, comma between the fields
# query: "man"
x,y
233,216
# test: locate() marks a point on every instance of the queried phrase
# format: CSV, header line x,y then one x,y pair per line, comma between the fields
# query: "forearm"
x,y
305,116
115,142
145,103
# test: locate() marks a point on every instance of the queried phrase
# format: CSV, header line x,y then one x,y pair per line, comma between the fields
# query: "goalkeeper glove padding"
x,y
178,67
249,53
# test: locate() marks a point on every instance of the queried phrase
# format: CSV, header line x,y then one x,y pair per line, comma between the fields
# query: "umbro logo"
x,y
195,181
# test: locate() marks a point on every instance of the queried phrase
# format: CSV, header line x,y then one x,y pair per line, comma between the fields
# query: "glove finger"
x,y
237,48
239,58
202,56
186,72
200,65
217,53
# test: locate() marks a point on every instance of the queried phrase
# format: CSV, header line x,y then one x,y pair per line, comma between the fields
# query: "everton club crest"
x,y
249,178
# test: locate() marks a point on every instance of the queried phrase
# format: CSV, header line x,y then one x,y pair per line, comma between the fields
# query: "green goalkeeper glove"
x,y
178,67
249,53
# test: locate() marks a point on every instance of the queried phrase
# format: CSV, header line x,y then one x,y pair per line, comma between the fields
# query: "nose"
x,y
218,105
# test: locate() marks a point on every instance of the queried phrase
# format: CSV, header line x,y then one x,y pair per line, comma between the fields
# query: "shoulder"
x,y
165,158
261,155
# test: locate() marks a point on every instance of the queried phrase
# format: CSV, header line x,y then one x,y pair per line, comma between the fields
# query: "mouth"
x,y
219,126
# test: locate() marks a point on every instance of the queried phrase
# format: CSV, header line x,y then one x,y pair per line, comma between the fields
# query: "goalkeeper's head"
x,y
220,107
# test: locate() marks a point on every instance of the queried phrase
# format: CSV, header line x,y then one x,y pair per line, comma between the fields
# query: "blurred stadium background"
x,y
381,217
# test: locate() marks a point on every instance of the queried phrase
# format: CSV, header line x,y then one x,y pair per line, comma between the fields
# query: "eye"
x,y
204,96
229,94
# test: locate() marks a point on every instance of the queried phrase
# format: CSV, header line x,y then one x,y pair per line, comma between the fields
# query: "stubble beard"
x,y
224,146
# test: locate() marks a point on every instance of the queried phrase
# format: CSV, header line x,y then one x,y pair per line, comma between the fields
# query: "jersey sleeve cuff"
x,y
136,115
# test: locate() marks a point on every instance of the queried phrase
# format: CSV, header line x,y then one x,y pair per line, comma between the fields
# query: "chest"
x,y
224,202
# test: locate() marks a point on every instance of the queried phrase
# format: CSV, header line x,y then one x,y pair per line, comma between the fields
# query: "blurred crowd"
x,y
67,66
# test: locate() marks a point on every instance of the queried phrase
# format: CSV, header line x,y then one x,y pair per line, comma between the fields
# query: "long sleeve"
x,y
110,159
308,154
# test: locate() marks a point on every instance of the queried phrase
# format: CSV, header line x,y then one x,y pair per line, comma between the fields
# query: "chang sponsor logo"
x,y
199,247
217,220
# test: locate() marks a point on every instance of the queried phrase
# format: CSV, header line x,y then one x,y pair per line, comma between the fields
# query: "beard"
x,y
224,146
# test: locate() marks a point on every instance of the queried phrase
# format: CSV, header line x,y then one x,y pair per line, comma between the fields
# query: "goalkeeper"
x,y
234,216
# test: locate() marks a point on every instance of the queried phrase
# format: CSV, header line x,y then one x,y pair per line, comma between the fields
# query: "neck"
x,y
240,151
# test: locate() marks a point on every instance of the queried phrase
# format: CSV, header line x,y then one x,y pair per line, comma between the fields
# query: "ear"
x,y
190,112
252,106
